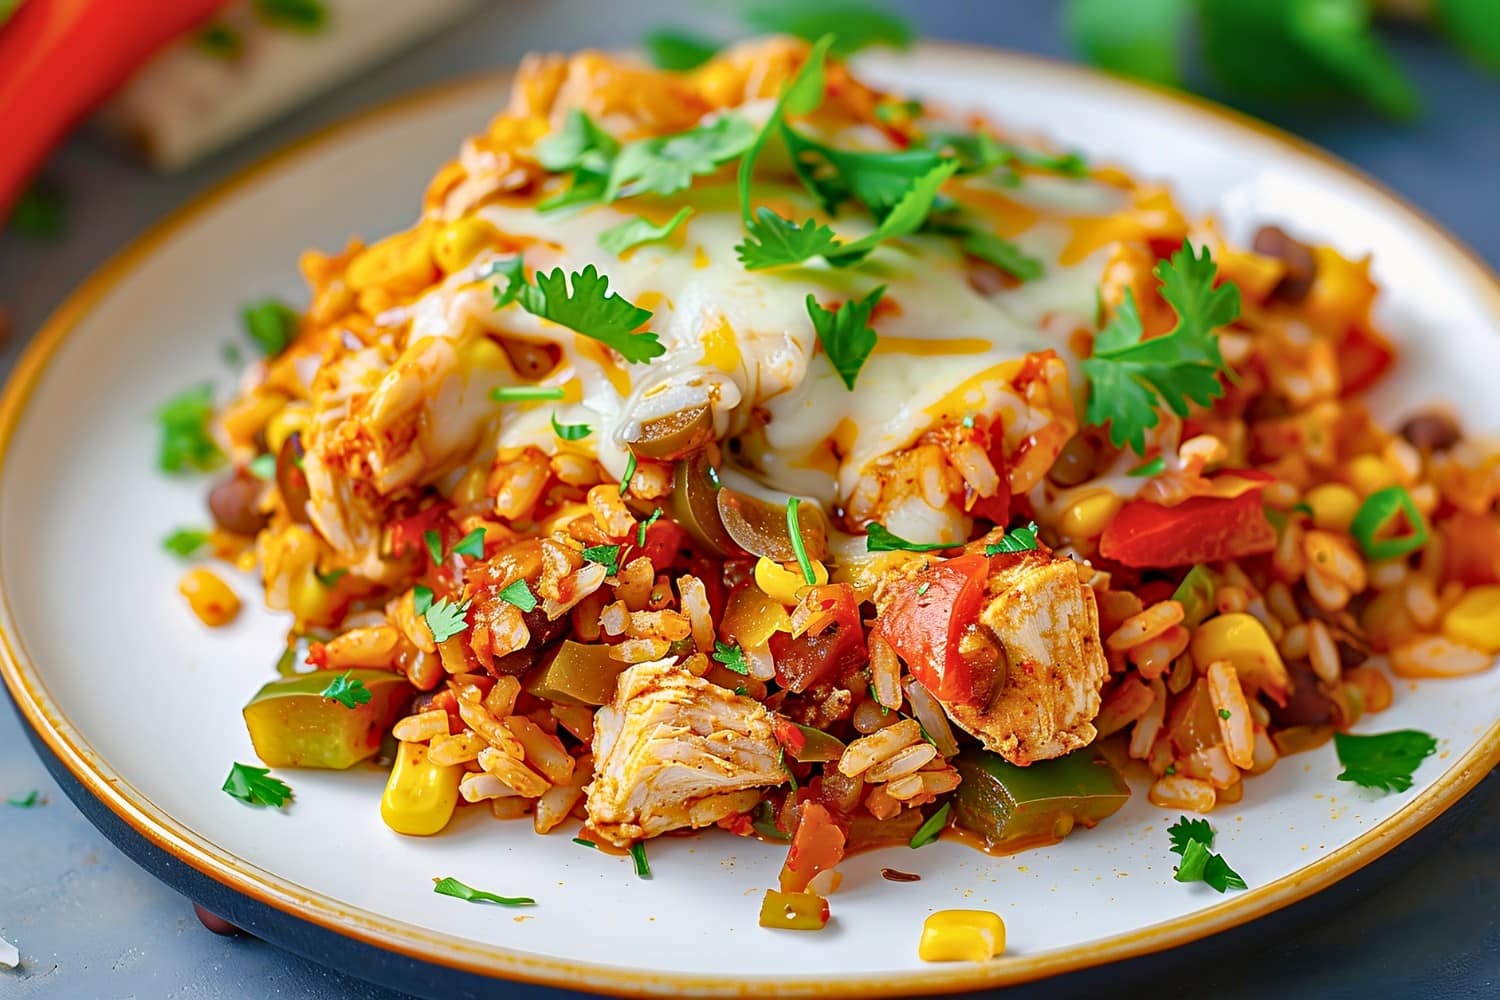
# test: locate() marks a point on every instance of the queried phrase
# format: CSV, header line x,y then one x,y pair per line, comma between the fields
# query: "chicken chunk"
x,y
1047,625
674,751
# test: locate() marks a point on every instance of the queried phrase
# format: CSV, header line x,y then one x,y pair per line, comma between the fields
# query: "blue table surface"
x,y
91,924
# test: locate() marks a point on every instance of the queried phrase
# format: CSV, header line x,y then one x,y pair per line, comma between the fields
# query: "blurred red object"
x,y
59,58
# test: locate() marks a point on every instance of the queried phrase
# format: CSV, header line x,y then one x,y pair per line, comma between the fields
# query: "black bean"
x,y
1301,265
234,503
1432,431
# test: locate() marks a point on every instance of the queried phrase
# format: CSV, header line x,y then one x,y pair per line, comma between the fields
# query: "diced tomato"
x,y
1202,529
1471,548
927,620
813,657
408,533
1363,356
664,540
818,845
317,655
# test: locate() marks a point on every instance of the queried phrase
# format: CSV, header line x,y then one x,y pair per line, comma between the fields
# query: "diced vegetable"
x,y
927,621
577,674
761,529
420,796
753,616
1196,595
695,504
1194,724
293,725
1199,530
817,846
676,435
961,936
1014,807
1378,513
805,744
793,911
819,654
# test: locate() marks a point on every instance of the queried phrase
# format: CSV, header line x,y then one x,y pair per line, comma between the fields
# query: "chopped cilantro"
x,y
471,545
1015,540
346,691
332,577
846,334
930,830
1154,467
798,546
570,432
731,656
421,599
640,531
453,887
637,232
853,26
801,95
526,393
256,786
607,556
272,324
1129,377
1003,254
1225,713
447,619
589,308
519,595
772,241
26,801
306,16
1384,761
1192,838
878,539
677,50
1185,830
629,473
666,164
185,541
434,542
581,143
185,440
585,843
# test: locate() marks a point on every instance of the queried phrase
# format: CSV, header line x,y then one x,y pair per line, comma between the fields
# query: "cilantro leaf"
x,y
185,439
305,16
845,333
1015,540
906,216
1145,470
607,556
1003,254
878,539
1473,27
519,595
854,26
1219,876
513,270
272,324
256,786
453,887
932,828
592,310
434,542
263,467
677,50
772,241
637,232
731,656
421,599
471,545
1129,377
1186,830
26,801
801,95
1195,857
1384,761
570,432
877,179
630,463
526,393
185,541
667,164
1146,43
580,143
347,692
446,619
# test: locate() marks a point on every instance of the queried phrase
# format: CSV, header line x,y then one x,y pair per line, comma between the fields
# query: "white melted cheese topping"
x,y
743,340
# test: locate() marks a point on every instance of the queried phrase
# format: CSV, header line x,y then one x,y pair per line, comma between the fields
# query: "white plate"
x,y
142,703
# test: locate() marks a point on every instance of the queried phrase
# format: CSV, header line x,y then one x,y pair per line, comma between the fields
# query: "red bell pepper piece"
x,y
927,620
1203,529
58,58
1363,356
818,845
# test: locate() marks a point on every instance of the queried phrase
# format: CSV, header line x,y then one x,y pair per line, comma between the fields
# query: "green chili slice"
x,y
1196,595
1377,512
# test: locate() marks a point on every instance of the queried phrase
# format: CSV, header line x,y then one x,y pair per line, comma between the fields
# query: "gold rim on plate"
x,y
163,831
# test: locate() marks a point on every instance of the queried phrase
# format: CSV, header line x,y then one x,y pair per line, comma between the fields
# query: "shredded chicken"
x,y
1047,624
674,751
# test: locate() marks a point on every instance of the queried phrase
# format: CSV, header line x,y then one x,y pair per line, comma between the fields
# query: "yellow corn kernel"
x,y
962,936
1088,516
209,597
1241,639
1342,292
288,420
1334,506
420,796
785,584
1475,619
458,241
246,416
397,264
1367,473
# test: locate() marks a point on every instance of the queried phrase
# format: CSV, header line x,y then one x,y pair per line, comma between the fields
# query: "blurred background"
x,y
115,112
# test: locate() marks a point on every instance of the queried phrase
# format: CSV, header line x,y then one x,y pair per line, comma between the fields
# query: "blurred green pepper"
x,y
578,674
1013,807
293,725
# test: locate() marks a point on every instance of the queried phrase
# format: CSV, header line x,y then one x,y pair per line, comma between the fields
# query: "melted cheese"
x,y
743,341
